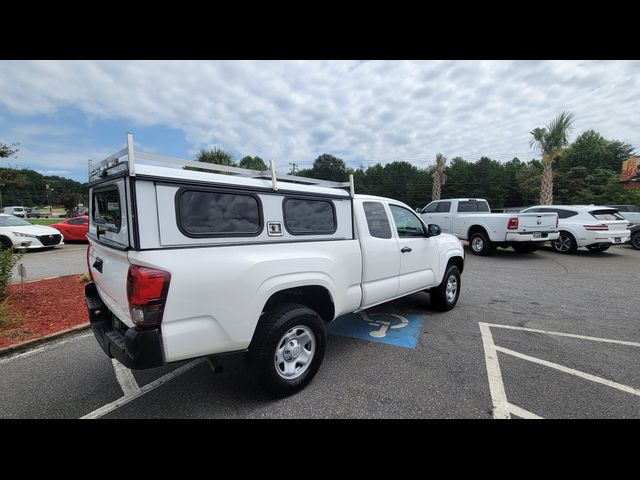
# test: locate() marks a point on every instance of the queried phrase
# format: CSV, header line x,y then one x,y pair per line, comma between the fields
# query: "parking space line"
x,y
577,373
561,334
110,407
125,378
496,386
44,348
521,412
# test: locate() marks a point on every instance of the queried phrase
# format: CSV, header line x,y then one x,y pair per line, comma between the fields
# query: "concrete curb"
x,y
20,347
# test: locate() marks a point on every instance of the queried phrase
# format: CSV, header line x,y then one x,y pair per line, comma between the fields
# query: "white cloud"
x,y
295,110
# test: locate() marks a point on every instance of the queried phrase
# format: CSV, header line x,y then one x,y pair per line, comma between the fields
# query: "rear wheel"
x,y
481,245
287,349
598,248
566,243
524,247
445,296
635,240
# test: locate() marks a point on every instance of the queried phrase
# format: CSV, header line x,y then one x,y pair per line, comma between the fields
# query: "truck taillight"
x,y
89,261
147,290
596,228
513,223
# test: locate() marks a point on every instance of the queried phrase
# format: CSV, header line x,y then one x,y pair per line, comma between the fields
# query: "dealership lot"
x,y
66,259
572,350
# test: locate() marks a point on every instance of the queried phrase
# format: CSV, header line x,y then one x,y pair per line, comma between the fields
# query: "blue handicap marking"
x,y
391,328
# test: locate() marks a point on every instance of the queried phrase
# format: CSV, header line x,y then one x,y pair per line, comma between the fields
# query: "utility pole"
x,y
294,168
49,190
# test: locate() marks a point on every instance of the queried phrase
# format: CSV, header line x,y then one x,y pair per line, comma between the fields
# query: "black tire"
x,y
635,240
480,245
440,299
566,243
262,355
524,247
596,249
5,243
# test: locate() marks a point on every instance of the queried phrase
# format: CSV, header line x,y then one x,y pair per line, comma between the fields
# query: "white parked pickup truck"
x,y
471,219
188,263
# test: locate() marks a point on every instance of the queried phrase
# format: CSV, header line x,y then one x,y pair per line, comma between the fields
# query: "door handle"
x,y
405,250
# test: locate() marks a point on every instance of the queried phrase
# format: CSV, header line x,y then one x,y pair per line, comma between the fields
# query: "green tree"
x,y
328,167
551,141
252,163
215,155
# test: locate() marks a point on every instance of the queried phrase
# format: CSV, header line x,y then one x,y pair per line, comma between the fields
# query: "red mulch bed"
x,y
47,306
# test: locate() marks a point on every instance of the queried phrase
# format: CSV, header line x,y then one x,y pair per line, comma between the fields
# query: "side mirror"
x,y
434,230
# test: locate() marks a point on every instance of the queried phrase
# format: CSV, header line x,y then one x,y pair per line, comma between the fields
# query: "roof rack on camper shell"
x,y
125,160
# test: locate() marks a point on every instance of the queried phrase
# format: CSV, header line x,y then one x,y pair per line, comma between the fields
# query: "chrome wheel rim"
x,y
295,352
635,240
452,288
477,244
563,243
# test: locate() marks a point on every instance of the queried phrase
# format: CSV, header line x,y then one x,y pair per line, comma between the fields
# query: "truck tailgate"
x,y
109,268
536,222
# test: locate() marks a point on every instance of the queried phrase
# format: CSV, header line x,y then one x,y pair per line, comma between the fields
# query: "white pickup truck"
x,y
471,219
188,263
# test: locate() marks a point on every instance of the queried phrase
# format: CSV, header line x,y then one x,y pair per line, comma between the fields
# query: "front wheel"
x,y
635,240
598,248
445,296
287,349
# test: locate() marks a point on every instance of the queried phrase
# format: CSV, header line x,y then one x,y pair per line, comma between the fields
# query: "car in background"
x,y
635,236
35,213
590,226
75,228
15,211
630,212
19,234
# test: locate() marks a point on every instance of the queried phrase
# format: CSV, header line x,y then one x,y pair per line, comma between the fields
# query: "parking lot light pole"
x,y
49,190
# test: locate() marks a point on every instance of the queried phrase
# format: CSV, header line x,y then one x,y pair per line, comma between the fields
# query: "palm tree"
x,y
551,141
439,178
215,155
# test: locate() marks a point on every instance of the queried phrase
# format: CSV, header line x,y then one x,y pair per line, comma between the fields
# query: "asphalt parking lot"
x,y
540,335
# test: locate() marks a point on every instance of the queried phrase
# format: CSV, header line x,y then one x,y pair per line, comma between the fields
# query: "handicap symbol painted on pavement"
x,y
389,328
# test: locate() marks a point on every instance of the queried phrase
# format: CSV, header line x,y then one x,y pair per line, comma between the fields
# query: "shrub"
x,y
8,260
7,319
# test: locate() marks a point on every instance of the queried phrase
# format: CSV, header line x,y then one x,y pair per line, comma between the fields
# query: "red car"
x,y
75,228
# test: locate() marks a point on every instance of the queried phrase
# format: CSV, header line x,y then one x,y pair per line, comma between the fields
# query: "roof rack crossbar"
x,y
270,174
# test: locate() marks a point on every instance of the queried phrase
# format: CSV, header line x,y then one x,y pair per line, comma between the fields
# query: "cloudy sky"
x,y
64,112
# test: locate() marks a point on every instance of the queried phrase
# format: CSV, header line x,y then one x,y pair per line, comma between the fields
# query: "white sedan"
x,y
20,234
595,228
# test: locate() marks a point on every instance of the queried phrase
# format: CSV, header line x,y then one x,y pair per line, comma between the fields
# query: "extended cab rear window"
x,y
377,220
211,213
304,216
107,209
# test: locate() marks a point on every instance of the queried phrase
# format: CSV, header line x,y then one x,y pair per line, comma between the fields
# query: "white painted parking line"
x,y
562,334
577,373
496,387
110,407
125,378
501,407
44,348
521,412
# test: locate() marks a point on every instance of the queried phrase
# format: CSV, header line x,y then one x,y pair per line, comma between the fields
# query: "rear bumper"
x,y
135,349
528,237
606,237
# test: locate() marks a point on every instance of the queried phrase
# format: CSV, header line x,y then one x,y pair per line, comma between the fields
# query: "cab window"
x,y
407,224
